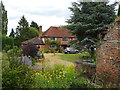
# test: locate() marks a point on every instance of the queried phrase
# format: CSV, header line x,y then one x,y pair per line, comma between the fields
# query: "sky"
x,y
44,12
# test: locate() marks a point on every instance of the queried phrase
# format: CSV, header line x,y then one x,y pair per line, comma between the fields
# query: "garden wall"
x,y
88,68
108,56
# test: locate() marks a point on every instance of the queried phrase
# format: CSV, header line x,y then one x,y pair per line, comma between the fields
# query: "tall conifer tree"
x,y
4,18
89,19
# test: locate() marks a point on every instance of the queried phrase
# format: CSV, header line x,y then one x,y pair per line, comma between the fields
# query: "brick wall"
x,y
42,47
108,56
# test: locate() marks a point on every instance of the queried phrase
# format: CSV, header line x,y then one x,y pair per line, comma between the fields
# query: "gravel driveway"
x,y
51,60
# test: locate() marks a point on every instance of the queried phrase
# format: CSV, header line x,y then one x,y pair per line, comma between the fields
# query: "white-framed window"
x,y
65,39
52,38
53,46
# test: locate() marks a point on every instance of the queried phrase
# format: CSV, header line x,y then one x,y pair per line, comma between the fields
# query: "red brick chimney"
x,y
40,31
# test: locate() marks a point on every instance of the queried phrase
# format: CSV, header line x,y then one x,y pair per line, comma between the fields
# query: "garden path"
x,y
51,60
54,59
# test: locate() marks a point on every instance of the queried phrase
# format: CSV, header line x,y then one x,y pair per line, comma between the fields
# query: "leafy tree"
x,y
89,19
33,32
7,42
24,32
4,19
12,34
35,25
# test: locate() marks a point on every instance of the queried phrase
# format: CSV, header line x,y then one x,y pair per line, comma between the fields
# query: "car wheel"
x,y
77,52
65,52
68,52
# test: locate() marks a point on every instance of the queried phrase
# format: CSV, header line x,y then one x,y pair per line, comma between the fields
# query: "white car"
x,y
70,50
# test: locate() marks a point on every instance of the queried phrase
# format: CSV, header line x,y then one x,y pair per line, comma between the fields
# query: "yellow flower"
x,y
37,73
48,81
59,75
62,68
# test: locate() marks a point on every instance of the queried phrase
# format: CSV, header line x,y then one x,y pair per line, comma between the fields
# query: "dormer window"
x,y
65,39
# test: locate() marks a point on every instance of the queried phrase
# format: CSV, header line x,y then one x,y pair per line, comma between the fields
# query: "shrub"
x,y
59,51
30,50
14,74
44,51
14,52
7,47
7,42
60,77
17,77
83,83
13,55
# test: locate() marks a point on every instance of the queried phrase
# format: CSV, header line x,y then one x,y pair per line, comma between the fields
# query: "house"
x,y
59,34
36,41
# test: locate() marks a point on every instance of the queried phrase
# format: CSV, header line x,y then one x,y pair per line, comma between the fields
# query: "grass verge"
x,y
71,57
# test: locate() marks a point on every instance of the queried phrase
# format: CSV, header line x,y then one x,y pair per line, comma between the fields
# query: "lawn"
x,y
71,57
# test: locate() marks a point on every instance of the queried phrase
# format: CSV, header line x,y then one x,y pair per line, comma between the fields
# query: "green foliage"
x,y
35,25
13,55
12,34
24,32
56,43
60,77
45,51
0,20
83,83
15,52
118,14
7,47
89,19
7,43
17,77
14,74
21,31
4,18
33,32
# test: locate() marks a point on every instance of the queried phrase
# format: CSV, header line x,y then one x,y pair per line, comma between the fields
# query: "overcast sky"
x,y
44,12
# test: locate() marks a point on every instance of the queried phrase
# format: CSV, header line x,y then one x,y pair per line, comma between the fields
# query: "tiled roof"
x,y
36,41
57,32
